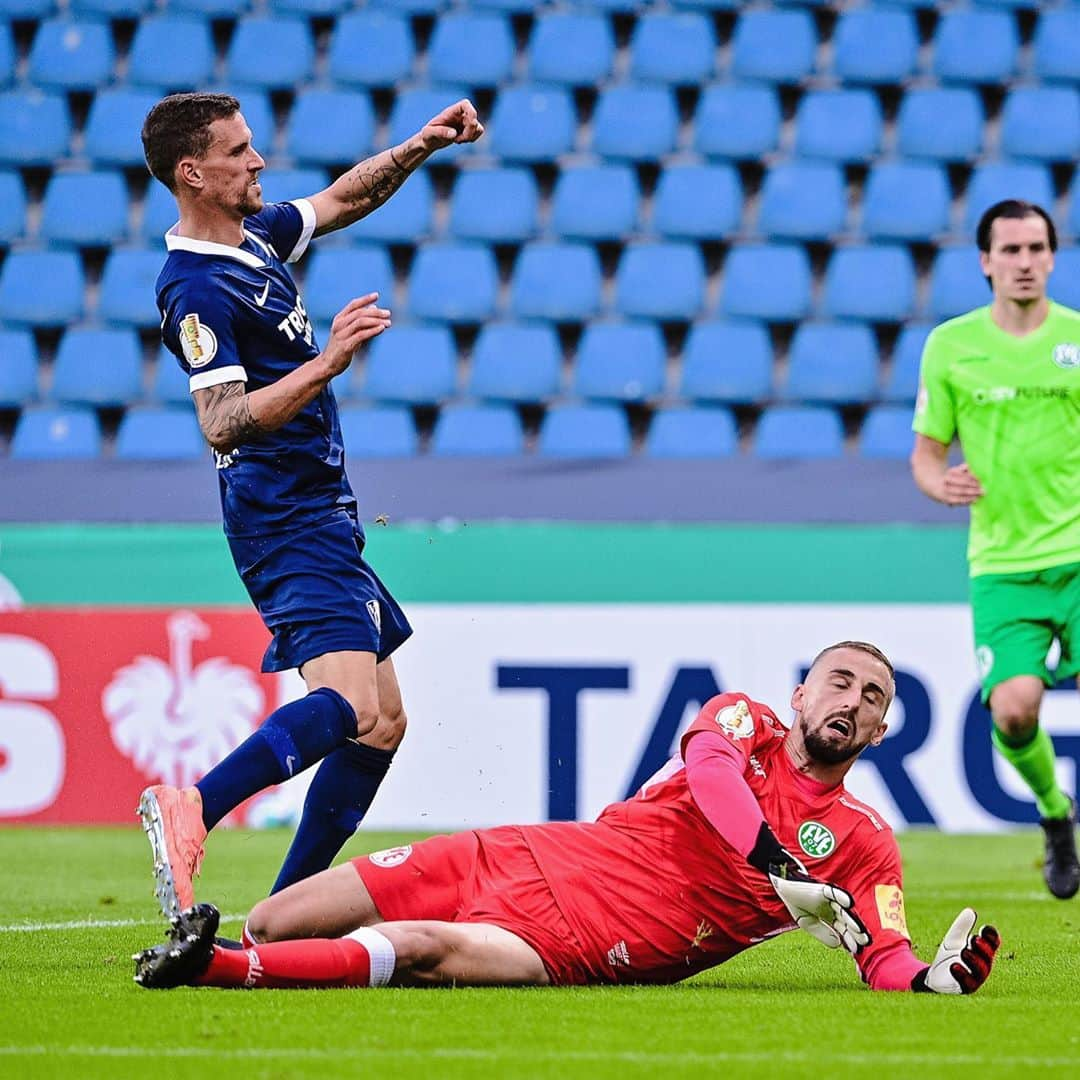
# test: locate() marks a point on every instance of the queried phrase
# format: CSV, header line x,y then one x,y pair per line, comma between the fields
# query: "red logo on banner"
x,y
96,704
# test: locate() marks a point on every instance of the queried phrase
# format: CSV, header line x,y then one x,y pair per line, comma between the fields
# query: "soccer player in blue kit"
x,y
232,315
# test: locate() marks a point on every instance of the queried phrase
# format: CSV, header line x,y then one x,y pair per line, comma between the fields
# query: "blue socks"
x,y
290,739
336,802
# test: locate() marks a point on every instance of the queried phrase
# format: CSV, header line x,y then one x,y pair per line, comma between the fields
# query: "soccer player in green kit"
x,y
1005,380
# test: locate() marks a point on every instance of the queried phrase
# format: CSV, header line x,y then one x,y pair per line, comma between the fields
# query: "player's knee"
x,y
260,922
419,949
1015,712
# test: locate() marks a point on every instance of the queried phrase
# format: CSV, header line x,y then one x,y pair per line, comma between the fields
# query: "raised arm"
x,y
366,186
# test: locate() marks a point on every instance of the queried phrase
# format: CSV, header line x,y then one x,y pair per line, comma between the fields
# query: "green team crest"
x,y
815,839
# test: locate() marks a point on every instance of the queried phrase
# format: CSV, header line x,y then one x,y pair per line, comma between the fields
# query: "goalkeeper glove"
x,y
963,960
821,909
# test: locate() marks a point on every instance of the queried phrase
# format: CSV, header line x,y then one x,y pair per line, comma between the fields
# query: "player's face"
x,y
842,704
230,169
1019,260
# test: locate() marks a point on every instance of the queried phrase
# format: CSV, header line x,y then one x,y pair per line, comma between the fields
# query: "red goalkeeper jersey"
x,y
654,893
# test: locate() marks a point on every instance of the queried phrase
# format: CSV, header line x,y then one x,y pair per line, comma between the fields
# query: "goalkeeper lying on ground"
x,y
746,833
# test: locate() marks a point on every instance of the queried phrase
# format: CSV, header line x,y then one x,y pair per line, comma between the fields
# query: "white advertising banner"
x,y
520,713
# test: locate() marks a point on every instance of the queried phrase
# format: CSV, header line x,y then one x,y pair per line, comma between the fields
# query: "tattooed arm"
x,y
230,417
366,186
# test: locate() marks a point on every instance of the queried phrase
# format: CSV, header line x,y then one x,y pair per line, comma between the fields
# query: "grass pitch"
x,y
75,903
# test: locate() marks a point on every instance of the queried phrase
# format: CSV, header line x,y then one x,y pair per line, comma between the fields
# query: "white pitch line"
x,y
89,924
687,1057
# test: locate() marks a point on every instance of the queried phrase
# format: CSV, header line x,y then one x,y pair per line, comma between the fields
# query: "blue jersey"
x,y
233,314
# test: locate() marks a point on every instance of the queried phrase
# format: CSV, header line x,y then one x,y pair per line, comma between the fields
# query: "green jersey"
x,y
1014,403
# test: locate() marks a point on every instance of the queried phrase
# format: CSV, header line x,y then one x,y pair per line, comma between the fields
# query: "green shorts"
x,y
1017,617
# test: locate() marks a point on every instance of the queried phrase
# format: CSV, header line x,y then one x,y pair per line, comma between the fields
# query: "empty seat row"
x,y
156,433
376,48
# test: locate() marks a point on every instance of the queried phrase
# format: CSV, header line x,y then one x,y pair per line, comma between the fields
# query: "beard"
x,y
828,753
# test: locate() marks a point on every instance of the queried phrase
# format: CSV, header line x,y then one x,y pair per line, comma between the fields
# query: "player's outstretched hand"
x,y
963,960
458,123
821,909
358,321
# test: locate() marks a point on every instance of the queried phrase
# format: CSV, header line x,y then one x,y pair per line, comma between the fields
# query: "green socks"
x,y
1033,759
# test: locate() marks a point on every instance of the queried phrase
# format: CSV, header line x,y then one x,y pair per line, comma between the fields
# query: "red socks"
x,y
316,962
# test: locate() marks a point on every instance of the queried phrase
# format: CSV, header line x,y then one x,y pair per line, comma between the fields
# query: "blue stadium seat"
x,y
767,281
26,9
803,201
414,365
159,214
875,46
171,52
159,433
23,300
903,382
308,8
19,368
774,46
1056,45
85,209
906,201
337,275
477,431
571,48
798,432
620,362
169,385
532,123
7,54
637,123
500,206
111,9
71,54
12,207
516,362
942,124
876,283
371,48
1042,123
1064,285
706,5
34,127
838,125
127,288
330,127
584,431
832,363
471,48
282,185
517,7
698,202
956,283
56,435
97,367
404,219
595,202
678,49
976,47
455,282
738,122
381,431
212,9
691,432
555,281
660,281
1003,180
415,106
410,7
886,433
113,126
727,361
270,53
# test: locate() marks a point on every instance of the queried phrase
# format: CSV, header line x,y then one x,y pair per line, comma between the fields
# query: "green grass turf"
x,y
68,1006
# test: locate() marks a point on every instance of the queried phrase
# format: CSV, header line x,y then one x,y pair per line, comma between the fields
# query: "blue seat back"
x,y
584,431
620,362
516,362
767,281
691,432
556,281
798,431
160,433
416,365
729,361
48,434
455,282
477,431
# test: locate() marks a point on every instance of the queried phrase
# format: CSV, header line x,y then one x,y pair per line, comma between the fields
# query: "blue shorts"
x,y
317,595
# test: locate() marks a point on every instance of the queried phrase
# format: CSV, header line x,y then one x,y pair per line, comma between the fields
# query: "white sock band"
x,y
381,952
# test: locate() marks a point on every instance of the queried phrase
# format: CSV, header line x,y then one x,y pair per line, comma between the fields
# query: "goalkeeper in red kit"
x,y
746,833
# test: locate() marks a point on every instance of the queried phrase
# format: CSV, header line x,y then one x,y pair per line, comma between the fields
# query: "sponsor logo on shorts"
x,y
890,908
618,955
198,341
984,660
815,839
375,613
394,856
1067,355
736,720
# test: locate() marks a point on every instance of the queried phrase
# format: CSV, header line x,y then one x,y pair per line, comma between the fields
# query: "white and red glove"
x,y
963,959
